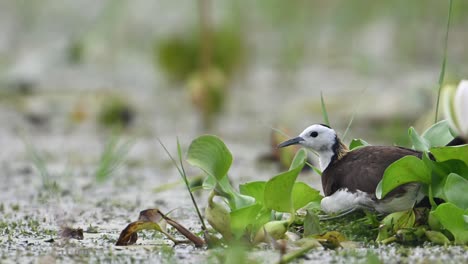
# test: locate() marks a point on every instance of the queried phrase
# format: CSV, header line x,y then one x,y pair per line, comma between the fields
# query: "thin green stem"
x,y
184,177
444,61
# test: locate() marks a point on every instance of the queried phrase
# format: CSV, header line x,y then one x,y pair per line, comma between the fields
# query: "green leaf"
x,y
394,222
440,171
278,190
311,224
437,237
219,217
303,194
405,170
210,154
249,219
419,143
235,199
357,143
299,159
255,189
455,190
452,218
438,134
209,182
448,153
324,110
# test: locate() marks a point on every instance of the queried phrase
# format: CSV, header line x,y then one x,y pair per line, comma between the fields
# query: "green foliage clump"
x,y
179,56
207,89
443,175
116,112
248,214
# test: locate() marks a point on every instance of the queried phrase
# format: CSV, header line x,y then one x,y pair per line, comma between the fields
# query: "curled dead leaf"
x,y
151,219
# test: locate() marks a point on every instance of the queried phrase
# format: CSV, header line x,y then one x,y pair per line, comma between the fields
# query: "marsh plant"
x,y
112,157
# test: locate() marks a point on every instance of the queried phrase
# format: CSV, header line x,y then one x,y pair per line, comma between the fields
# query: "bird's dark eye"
x,y
314,134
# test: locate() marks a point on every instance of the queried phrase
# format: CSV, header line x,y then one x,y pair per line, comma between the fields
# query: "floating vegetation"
x,y
115,112
179,56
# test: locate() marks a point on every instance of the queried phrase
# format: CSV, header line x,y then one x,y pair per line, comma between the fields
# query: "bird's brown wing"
x,y
362,169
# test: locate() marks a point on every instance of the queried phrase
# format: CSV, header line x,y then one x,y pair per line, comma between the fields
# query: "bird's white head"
x,y
321,139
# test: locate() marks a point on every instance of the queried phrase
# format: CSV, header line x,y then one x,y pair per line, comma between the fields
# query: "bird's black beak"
x,y
292,141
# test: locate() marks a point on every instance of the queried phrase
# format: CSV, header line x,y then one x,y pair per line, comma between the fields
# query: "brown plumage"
x,y
362,168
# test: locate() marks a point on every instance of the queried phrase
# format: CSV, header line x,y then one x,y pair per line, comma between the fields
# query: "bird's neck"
x,y
332,153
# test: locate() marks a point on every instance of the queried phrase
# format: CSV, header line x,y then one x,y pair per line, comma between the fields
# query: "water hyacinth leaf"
x,y
209,183
210,154
235,199
278,190
255,189
438,134
357,143
448,153
273,229
419,143
437,237
452,218
299,159
455,190
303,194
248,219
405,170
219,217
440,171
311,224
394,222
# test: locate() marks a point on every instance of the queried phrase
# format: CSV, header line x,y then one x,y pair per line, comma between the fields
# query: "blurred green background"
x,y
235,68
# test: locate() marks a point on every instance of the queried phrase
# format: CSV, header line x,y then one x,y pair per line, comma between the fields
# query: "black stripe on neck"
x,y
336,149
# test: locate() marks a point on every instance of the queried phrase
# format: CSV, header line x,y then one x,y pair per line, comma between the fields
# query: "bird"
x,y
349,178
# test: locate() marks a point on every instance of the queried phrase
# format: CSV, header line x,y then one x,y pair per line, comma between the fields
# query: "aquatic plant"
x,y
443,174
112,157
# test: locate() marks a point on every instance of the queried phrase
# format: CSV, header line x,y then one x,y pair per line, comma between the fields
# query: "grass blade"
x,y
324,110
182,173
112,157
354,114
444,61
